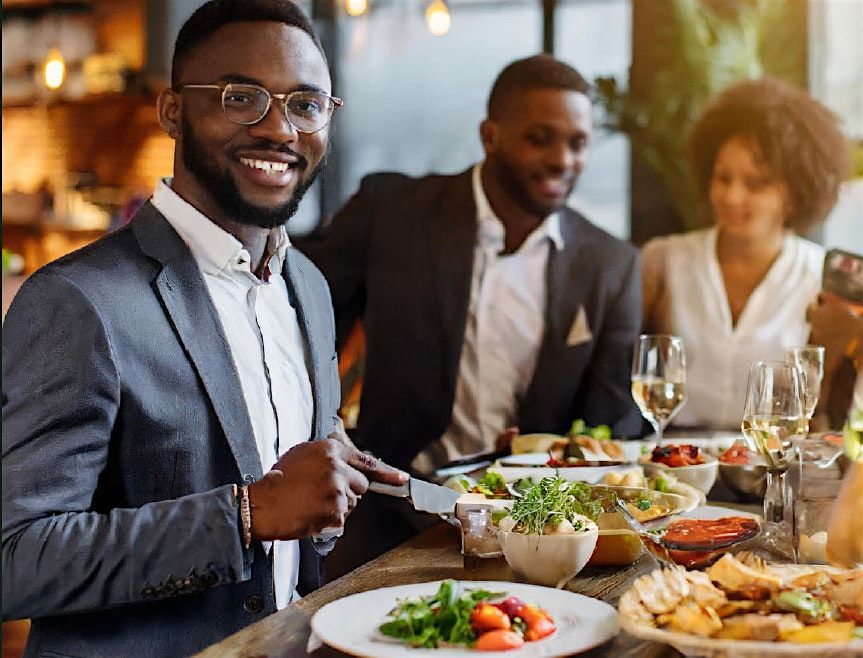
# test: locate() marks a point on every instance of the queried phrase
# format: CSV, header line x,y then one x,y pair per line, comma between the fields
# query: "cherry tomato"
x,y
530,613
541,628
512,606
487,617
539,623
499,640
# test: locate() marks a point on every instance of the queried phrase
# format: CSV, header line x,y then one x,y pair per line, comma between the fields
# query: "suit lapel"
x,y
563,298
301,296
451,238
187,303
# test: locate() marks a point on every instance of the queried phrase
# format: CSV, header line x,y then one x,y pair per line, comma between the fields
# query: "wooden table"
x,y
432,555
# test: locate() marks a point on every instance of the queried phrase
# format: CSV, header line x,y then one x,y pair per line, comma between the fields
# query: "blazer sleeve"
x,y
340,252
609,395
63,550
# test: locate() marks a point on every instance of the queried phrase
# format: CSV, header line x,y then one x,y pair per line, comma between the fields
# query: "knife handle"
x,y
401,491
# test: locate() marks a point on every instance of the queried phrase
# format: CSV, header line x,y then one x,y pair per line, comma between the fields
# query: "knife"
x,y
471,463
424,496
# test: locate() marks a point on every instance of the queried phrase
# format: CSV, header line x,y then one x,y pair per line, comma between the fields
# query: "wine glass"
x,y
659,378
810,360
774,422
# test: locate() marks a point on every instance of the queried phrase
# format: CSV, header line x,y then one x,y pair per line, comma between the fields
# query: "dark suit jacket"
x,y
400,255
123,428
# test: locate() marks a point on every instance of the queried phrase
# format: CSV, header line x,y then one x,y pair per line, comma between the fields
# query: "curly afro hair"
x,y
795,136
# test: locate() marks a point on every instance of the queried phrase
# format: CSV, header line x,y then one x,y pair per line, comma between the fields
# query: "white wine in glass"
x,y
774,423
774,418
771,435
659,379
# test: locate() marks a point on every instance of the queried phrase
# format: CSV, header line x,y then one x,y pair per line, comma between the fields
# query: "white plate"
x,y
351,624
709,512
692,645
540,458
589,474
525,459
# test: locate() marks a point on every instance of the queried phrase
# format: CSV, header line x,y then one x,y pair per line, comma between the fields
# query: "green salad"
x,y
443,617
600,432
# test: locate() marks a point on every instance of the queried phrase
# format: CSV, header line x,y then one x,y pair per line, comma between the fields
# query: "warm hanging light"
x,y
438,18
356,7
54,69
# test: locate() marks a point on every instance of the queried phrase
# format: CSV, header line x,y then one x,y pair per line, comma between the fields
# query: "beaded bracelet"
x,y
246,516
241,500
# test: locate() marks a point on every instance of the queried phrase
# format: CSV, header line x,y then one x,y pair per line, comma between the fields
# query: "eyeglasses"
x,y
246,104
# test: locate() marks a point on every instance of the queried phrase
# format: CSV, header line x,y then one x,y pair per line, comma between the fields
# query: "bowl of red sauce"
x,y
743,472
695,543
688,463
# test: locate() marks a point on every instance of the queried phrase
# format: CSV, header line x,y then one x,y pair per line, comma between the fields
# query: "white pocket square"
x,y
579,332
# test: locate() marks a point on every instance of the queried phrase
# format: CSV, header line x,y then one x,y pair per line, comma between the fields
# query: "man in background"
x,y
173,467
487,303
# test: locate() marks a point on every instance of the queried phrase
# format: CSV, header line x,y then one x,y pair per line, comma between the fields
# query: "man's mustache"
x,y
267,147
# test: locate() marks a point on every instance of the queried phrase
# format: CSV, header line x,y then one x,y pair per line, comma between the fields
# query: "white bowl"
x,y
700,476
549,560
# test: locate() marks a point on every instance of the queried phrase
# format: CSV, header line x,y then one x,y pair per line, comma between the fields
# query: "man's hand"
x,y
504,439
314,485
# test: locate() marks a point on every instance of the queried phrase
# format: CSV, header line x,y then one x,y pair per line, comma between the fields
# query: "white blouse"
x,y
694,305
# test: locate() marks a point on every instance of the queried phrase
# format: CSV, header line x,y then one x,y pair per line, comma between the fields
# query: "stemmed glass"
x,y
774,422
810,360
659,378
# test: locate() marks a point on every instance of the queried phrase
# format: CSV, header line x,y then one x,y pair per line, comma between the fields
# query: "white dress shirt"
x,y
719,353
266,345
504,331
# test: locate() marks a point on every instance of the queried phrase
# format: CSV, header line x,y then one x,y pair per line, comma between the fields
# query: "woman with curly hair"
x,y
768,159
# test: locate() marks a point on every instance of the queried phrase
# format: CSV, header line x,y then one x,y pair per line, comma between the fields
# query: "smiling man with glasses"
x,y
174,468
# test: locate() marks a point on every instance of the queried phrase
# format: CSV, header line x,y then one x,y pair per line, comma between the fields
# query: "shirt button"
x,y
253,604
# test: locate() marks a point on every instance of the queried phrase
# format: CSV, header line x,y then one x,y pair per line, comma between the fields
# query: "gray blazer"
x,y
124,427
399,255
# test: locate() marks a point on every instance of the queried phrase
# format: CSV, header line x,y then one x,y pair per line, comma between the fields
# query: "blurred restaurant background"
x,y
82,148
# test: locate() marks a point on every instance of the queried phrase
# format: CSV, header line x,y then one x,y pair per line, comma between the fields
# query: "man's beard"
x,y
518,189
226,194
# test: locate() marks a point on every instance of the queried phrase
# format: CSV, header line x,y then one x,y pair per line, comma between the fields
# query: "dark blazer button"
x,y
253,604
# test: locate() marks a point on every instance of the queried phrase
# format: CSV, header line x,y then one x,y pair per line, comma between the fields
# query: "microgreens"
x,y
552,500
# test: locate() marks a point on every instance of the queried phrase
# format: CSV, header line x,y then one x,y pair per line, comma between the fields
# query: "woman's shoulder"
x,y
664,246
810,254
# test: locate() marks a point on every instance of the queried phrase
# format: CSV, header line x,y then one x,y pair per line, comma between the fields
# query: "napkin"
x,y
579,332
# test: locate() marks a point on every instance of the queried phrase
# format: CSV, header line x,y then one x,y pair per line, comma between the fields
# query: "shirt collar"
x,y
491,229
214,249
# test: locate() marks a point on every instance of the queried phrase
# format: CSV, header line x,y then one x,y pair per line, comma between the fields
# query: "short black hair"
x,y
536,72
798,139
212,15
